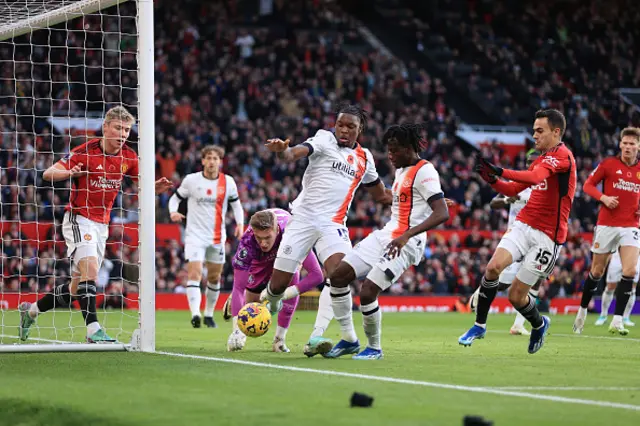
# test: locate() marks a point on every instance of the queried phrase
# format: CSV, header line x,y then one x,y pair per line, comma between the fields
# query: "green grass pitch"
x,y
427,378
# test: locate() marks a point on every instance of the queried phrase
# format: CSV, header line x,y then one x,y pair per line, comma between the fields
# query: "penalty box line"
x,y
476,389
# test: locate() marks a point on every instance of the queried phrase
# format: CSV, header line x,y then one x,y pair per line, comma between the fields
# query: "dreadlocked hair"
x,y
352,109
407,134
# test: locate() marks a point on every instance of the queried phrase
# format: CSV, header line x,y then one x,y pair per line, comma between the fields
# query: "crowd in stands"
x,y
235,78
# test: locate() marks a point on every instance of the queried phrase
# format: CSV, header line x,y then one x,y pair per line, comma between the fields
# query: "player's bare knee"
x,y
332,263
194,271
342,276
629,271
369,292
493,270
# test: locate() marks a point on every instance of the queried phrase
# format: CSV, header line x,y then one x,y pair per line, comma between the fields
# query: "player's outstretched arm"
x,y
59,172
498,202
163,184
380,193
284,152
439,215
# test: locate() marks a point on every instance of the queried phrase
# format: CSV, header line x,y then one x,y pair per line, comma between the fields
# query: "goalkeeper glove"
x,y
488,171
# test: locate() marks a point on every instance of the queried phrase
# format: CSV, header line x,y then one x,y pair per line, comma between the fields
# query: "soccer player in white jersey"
x,y
514,204
382,257
208,194
338,165
614,275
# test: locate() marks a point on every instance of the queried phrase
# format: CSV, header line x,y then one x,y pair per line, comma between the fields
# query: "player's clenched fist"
x,y
277,145
76,170
176,217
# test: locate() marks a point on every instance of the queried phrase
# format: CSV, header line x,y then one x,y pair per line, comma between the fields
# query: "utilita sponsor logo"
x,y
206,200
338,166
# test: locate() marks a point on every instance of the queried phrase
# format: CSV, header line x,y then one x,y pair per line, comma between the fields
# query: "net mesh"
x,y
56,83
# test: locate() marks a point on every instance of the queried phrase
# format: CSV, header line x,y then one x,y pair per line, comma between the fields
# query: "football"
x,y
254,319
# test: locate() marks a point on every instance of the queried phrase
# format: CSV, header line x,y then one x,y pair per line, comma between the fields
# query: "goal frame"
x,y
143,338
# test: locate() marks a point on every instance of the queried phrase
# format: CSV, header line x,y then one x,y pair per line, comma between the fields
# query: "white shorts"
x,y
84,238
533,248
509,273
198,252
608,239
368,258
301,235
614,273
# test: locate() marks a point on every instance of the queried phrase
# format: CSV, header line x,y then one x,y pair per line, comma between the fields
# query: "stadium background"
x,y
234,73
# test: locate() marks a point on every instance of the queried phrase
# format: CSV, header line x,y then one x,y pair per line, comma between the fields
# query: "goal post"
x,y
92,35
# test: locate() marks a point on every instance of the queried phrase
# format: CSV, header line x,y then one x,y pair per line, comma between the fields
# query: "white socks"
x,y
281,333
291,292
194,296
607,297
212,293
372,322
325,313
519,321
342,309
93,328
630,303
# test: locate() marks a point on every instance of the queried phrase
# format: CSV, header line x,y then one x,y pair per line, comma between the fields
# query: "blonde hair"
x,y
212,148
263,220
119,113
630,131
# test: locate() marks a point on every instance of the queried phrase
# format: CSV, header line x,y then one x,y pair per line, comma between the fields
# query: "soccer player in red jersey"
x,y
617,227
96,169
540,228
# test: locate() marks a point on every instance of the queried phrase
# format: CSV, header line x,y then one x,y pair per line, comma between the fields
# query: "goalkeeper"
x,y
252,268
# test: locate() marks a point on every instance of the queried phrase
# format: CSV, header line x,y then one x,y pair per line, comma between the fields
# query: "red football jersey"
x,y
618,180
93,193
550,202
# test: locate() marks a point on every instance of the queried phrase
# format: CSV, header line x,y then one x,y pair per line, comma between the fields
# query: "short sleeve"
x,y
232,190
319,143
556,162
370,174
183,190
427,183
74,158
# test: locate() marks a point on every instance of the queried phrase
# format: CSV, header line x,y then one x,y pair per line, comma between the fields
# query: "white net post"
x,y
102,58
145,339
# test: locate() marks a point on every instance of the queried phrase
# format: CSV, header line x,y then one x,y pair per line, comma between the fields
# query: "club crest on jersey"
x,y
596,245
638,175
124,168
87,237
221,191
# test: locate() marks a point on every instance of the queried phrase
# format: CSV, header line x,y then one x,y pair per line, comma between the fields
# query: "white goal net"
x,y
63,64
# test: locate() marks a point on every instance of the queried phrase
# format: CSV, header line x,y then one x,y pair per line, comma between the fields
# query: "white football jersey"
x,y
515,208
207,202
412,189
331,178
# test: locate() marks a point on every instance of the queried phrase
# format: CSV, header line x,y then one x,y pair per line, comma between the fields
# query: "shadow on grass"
x,y
17,412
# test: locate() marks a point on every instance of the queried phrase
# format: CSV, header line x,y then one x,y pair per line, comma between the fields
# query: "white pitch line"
x,y
486,390
566,388
629,339
35,339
